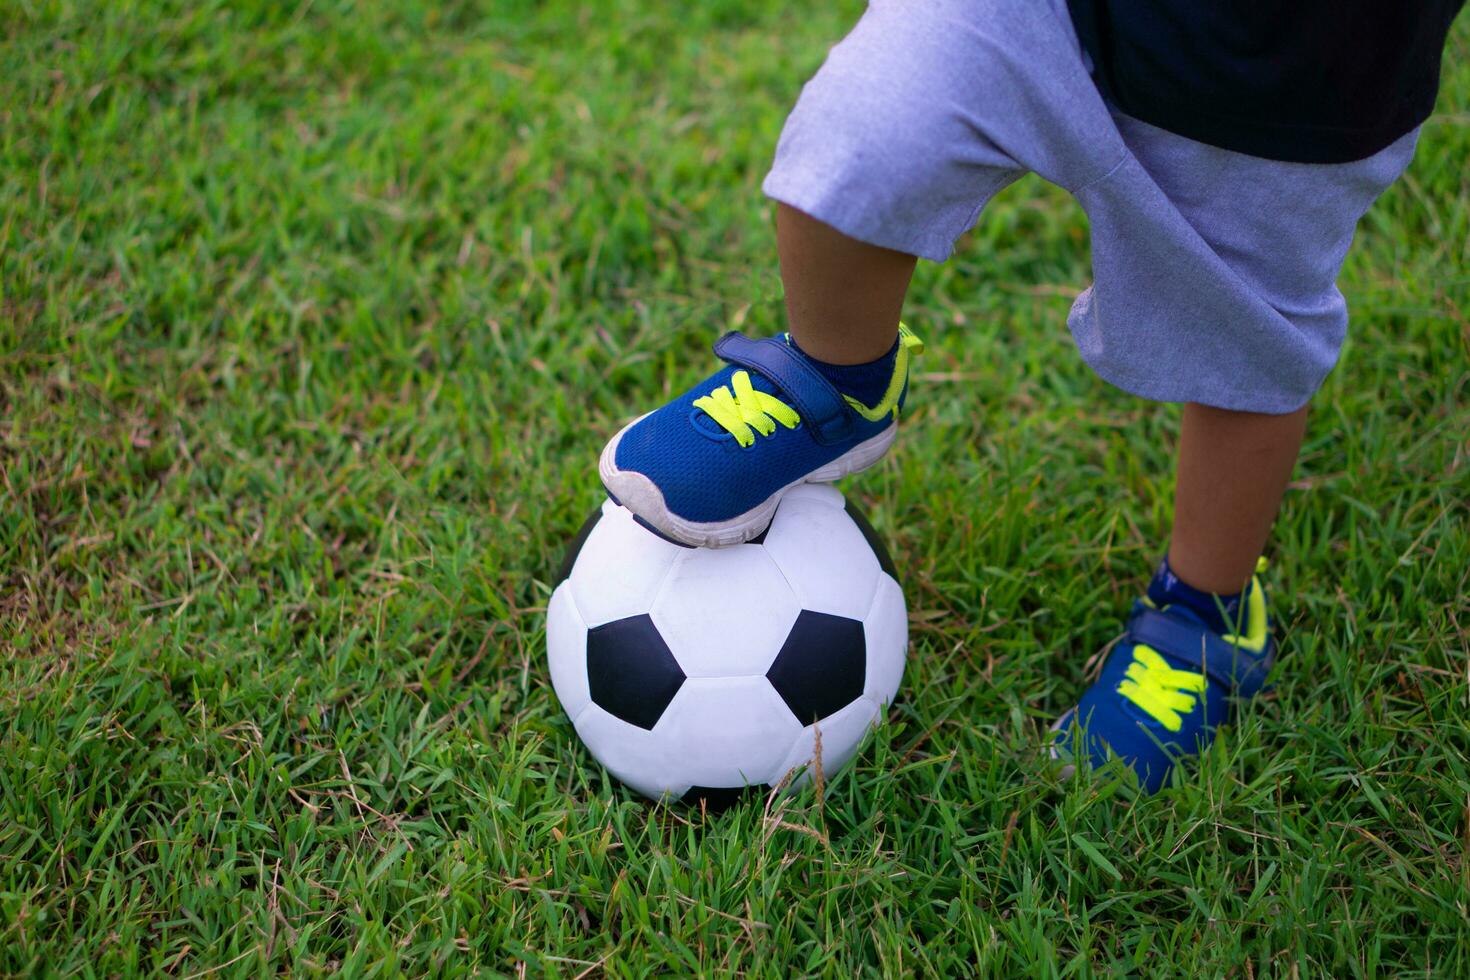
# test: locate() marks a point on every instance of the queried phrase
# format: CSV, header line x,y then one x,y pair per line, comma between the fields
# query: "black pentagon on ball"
x,y
822,665
630,671
717,799
870,534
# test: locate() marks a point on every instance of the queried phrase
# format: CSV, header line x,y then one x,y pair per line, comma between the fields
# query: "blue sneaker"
x,y
708,469
1165,688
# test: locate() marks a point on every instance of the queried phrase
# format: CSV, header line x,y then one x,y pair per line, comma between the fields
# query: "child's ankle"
x,y
1221,613
866,382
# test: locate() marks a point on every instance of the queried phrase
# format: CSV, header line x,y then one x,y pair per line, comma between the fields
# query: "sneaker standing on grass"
x,y
1223,152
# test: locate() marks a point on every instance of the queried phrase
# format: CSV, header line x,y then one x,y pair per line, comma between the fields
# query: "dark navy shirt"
x,y
1312,81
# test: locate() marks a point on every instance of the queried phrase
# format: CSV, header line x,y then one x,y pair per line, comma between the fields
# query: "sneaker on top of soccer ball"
x,y
708,468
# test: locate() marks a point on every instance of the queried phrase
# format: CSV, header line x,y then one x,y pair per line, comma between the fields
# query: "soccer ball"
x,y
699,672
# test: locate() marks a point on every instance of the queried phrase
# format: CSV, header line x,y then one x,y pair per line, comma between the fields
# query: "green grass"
x,y
313,320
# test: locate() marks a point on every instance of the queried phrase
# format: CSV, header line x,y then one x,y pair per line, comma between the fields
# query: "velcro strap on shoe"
x,y
1241,671
819,404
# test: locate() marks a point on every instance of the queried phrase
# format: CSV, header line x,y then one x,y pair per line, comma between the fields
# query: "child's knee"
x,y
878,148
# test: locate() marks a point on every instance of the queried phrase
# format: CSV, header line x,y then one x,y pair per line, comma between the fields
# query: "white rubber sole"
x,y
642,496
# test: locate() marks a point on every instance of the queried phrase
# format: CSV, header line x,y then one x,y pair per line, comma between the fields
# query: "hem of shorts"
x,y
798,193
1227,398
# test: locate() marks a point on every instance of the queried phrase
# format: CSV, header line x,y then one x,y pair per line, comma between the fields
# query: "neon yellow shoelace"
x,y
742,411
1164,692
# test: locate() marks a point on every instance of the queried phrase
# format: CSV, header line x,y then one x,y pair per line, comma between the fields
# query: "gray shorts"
x,y
1214,272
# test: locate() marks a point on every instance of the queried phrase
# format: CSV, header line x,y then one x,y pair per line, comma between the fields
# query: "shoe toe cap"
x,y
1108,728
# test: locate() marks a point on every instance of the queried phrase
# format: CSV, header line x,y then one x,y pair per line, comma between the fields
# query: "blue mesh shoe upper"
x,y
1164,690
703,471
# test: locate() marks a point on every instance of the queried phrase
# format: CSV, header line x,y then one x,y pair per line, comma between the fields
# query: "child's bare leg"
x,y
1233,470
1152,703
843,299
843,296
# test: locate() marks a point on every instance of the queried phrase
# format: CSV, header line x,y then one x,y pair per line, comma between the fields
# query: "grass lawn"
x,y
313,318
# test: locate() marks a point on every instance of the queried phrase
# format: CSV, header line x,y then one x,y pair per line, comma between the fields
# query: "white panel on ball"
x,y
842,733
728,731
823,555
566,651
647,761
818,493
886,631
620,568
725,611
